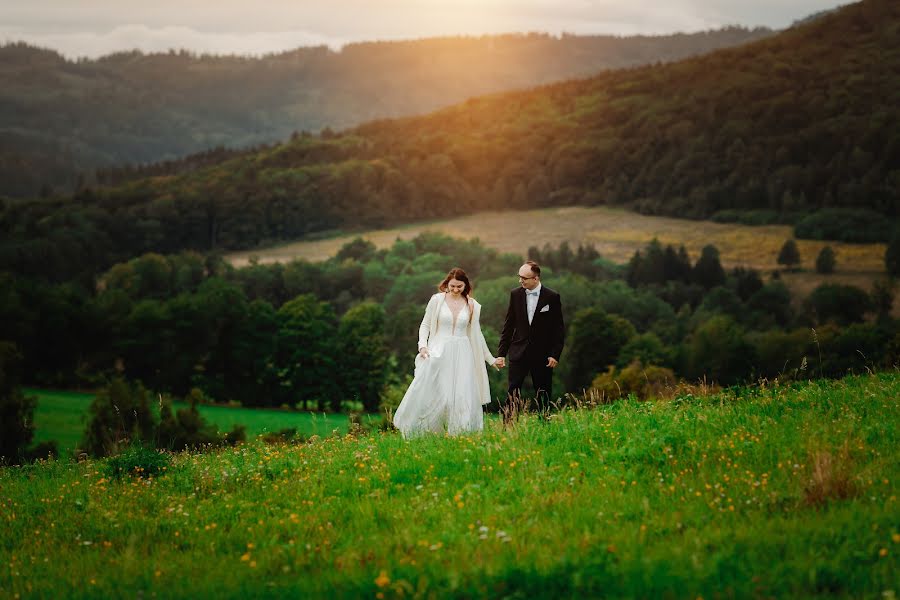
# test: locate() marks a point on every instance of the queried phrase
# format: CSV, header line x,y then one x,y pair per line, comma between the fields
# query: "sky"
x,y
93,28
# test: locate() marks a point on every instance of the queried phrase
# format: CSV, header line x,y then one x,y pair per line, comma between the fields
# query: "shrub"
x,y
844,224
772,303
235,436
843,304
42,451
186,428
882,296
283,436
854,348
391,397
789,255
138,460
717,349
748,217
825,261
595,338
642,381
745,282
119,415
782,354
647,349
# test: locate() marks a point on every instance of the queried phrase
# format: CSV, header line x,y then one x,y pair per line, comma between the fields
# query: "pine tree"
x,y
825,261
789,256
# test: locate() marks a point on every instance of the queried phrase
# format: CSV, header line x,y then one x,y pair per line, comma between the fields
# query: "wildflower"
x,y
382,580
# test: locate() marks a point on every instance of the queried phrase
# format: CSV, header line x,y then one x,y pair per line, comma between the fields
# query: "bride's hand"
x,y
423,352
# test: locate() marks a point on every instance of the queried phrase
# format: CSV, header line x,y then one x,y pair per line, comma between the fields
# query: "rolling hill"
x,y
61,119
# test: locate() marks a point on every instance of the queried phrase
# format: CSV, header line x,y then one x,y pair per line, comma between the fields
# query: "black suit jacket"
x,y
545,335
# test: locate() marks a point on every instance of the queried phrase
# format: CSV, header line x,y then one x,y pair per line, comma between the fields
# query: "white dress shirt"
x,y
531,301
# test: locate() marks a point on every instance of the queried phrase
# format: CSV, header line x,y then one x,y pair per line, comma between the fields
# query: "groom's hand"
x,y
500,362
552,362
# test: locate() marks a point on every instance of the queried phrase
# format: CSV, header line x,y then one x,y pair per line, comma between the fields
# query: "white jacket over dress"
x,y
429,328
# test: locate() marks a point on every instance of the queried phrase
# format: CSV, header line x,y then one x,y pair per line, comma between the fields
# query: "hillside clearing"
x,y
616,233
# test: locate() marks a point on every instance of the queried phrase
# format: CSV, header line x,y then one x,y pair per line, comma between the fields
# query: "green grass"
x,y
60,416
786,492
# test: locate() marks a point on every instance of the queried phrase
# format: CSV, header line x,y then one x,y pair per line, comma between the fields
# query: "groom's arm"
x,y
509,328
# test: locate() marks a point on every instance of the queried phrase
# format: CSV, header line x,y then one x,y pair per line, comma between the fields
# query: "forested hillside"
x,y
802,121
60,119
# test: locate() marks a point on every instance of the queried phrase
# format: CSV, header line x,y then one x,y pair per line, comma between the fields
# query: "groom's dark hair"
x,y
535,268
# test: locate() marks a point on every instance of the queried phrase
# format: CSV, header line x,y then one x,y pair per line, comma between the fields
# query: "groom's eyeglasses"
x,y
526,278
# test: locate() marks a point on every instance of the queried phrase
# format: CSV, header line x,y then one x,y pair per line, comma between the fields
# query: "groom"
x,y
533,335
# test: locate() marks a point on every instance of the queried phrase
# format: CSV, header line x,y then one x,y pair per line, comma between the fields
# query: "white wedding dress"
x,y
444,394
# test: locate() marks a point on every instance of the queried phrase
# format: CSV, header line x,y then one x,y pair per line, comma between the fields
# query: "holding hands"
x,y
500,363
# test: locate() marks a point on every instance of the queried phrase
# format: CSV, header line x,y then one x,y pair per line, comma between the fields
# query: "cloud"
x,y
95,27
140,37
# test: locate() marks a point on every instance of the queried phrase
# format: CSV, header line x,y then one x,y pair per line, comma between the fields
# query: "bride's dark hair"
x,y
459,275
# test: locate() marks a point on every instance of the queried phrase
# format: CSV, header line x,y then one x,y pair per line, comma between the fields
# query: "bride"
x,y
450,383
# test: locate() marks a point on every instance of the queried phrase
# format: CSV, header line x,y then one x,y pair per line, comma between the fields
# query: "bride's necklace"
x,y
455,305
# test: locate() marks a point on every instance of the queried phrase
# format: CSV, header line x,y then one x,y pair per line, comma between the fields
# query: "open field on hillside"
x,y
782,492
616,233
59,416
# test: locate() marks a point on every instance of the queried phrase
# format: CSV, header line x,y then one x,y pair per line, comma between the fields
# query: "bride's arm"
x,y
424,327
479,337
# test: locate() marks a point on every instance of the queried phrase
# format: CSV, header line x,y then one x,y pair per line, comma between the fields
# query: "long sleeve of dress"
x,y
488,357
425,326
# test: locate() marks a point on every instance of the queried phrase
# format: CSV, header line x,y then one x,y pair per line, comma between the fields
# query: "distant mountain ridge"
x,y
60,119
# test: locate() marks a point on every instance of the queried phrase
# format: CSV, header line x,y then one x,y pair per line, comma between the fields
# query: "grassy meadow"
x,y
776,491
61,416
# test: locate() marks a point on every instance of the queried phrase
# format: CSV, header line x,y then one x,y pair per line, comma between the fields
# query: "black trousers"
x,y
541,380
